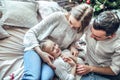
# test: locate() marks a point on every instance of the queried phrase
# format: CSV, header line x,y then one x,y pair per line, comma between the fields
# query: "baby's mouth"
x,y
58,51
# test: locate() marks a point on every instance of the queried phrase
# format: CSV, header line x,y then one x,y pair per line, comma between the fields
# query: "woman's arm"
x,y
40,31
45,56
102,70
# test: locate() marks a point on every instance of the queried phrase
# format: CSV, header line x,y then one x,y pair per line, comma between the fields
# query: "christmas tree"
x,y
101,5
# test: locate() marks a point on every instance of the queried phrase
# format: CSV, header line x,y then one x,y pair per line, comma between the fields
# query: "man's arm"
x,y
84,69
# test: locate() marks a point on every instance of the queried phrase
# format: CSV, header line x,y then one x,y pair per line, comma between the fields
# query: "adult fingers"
x,y
51,57
50,63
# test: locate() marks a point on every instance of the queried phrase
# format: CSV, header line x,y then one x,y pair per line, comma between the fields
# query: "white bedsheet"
x,y
11,54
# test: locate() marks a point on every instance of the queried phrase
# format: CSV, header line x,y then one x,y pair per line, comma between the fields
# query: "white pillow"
x,y
3,33
21,14
48,7
1,11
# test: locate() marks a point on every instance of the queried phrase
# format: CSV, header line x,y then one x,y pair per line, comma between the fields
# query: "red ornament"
x,y
12,77
88,1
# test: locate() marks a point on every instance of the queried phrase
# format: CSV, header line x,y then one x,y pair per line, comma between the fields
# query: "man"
x,y
103,49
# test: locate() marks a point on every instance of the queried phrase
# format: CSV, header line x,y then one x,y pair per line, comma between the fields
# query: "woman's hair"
x,y
82,13
107,21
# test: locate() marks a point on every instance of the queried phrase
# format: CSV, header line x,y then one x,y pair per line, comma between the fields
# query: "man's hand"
x,y
83,69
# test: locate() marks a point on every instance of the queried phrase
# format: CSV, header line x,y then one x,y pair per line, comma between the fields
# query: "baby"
x,y
81,46
64,62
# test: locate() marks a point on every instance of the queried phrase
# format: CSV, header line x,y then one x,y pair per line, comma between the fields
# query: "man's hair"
x,y
107,21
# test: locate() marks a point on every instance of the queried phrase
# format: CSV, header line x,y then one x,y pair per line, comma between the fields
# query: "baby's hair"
x,y
42,44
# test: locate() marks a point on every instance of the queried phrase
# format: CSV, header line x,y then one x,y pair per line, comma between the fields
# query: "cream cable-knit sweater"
x,y
54,27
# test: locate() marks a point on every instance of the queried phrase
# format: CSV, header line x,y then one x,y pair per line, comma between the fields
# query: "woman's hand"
x,y
83,69
45,56
48,59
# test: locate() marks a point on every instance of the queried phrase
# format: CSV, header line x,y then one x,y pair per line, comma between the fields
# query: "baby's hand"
x,y
70,61
65,56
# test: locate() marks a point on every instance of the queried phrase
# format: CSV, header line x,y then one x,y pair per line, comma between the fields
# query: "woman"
x,y
63,29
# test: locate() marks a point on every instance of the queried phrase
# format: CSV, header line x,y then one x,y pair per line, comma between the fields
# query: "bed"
x,y
16,17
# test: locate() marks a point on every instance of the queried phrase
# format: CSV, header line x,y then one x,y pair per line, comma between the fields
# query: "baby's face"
x,y
52,48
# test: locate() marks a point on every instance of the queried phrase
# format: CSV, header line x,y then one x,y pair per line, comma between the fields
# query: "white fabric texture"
x,y
3,33
63,69
48,7
21,14
11,54
54,27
